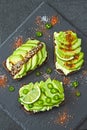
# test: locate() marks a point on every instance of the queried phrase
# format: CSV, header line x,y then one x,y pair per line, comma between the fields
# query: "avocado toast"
x,y
68,55
41,96
26,58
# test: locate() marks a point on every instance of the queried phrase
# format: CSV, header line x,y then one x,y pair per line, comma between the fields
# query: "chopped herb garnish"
x,y
19,100
39,34
11,88
78,94
48,70
75,84
38,73
48,25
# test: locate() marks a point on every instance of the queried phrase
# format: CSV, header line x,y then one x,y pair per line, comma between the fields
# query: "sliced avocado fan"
x,y
68,55
41,96
26,58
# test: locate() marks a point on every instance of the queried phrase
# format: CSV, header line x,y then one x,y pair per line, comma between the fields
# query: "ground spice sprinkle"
x,y
63,118
3,80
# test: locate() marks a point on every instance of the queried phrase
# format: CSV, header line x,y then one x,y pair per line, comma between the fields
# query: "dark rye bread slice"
x,y
4,65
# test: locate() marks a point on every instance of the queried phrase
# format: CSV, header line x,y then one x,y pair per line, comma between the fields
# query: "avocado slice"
x,y
21,73
67,52
15,58
24,48
34,62
20,52
71,65
28,65
39,57
61,37
32,41
76,60
30,45
63,57
44,53
73,47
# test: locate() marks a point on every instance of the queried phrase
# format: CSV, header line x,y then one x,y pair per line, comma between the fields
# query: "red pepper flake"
x,y
66,81
63,118
18,42
70,128
38,20
84,73
69,37
3,80
54,20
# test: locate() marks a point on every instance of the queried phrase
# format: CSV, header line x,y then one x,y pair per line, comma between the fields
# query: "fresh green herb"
x,y
11,88
48,25
75,84
38,73
78,94
48,70
19,100
39,34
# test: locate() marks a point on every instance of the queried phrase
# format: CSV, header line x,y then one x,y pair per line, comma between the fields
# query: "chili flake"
x,y
3,80
54,20
18,42
63,118
66,81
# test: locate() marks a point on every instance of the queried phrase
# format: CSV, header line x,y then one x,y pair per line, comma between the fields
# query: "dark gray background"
x,y
13,12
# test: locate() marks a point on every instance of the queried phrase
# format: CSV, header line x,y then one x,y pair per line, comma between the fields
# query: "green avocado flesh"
x,y
68,55
37,57
51,95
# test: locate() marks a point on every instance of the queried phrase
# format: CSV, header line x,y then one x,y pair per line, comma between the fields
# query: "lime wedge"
x,y
32,96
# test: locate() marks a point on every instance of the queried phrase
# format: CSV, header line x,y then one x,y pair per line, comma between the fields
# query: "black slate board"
x,y
76,107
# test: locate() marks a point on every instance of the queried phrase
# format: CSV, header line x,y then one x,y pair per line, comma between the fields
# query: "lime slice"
x,y
32,96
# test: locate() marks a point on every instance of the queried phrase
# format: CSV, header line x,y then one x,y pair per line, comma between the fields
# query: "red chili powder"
x,y
18,42
84,73
63,118
3,80
70,128
66,81
54,20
